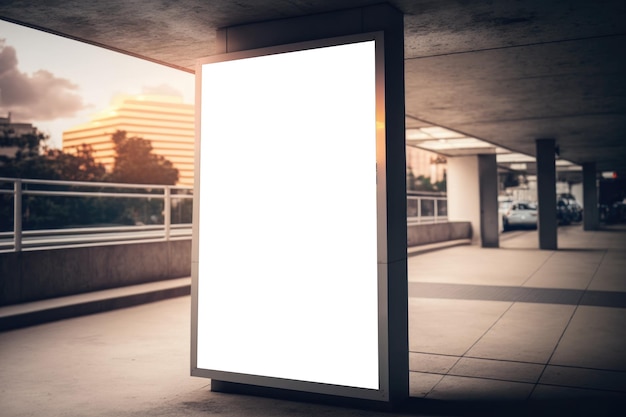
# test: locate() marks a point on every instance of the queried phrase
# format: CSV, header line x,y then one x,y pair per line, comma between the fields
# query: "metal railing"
x,y
426,209
422,209
159,227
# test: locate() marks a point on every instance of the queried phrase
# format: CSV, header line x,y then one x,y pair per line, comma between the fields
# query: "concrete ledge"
x,y
417,250
45,274
38,312
426,234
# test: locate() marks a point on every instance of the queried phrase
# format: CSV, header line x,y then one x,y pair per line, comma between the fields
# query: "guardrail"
x,y
426,209
155,226
155,223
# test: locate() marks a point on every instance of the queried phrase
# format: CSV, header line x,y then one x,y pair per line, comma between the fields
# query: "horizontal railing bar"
x,y
88,245
50,237
63,242
98,238
122,234
104,229
90,194
95,194
95,184
426,220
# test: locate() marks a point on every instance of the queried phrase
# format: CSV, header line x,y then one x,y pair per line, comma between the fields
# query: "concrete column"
x,y
472,185
464,192
369,19
488,185
591,218
546,193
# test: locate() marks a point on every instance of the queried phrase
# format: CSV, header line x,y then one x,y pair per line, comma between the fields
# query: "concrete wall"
x,y
423,234
37,275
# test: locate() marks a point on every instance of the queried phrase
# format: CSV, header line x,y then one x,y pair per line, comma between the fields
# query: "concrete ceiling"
x,y
507,71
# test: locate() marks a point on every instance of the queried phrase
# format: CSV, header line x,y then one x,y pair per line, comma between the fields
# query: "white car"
x,y
520,214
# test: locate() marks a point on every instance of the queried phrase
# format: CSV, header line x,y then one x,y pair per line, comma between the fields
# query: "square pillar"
x,y
381,25
488,184
463,191
591,218
473,196
546,194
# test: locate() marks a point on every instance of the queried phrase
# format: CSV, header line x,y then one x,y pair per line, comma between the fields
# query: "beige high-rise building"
x,y
165,121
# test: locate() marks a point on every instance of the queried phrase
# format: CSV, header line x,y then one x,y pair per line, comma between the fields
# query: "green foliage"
x,y
34,160
135,163
422,183
26,142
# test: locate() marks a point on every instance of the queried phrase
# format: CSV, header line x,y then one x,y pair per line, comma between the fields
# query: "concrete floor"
x,y
518,323
509,331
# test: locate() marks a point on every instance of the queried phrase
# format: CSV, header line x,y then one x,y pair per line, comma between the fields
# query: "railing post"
x,y
419,210
17,215
436,205
167,211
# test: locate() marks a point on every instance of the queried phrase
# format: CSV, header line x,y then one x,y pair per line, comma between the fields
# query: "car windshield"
x,y
525,206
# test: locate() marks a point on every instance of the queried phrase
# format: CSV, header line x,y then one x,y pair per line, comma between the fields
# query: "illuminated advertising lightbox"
x,y
287,218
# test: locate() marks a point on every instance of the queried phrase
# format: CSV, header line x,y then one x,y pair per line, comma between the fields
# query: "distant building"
x,y
10,132
420,162
165,121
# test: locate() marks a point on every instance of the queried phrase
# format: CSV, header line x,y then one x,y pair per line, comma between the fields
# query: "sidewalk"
x,y
509,331
44,311
518,323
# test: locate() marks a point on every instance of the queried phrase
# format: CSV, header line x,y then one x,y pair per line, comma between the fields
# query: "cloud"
x,y
162,89
37,97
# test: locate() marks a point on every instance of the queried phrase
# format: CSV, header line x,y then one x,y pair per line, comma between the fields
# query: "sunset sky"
x,y
56,83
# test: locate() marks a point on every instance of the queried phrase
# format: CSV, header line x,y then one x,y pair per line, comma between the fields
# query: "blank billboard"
x,y
286,269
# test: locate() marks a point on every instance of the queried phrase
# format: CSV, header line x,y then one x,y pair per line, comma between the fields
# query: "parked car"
x,y
568,211
613,213
578,211
520,214
504,204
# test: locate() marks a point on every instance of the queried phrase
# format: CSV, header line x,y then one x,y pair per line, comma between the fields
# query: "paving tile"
x,y
551,392
463,388
595,338
495,369
572,269
509,293
528,332
475,265
549,295
610,274
609,279
584,378
436,364
420,384
450,327
464,291
604,299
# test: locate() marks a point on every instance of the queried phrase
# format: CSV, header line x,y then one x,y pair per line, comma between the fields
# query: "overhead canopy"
x,y
505,72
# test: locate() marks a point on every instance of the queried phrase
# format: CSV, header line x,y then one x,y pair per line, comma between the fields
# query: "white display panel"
x,y
287,227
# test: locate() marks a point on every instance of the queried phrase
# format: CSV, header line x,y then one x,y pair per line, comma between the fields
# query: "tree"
x,y
423,183
80,166
135,162
33,159
27,156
